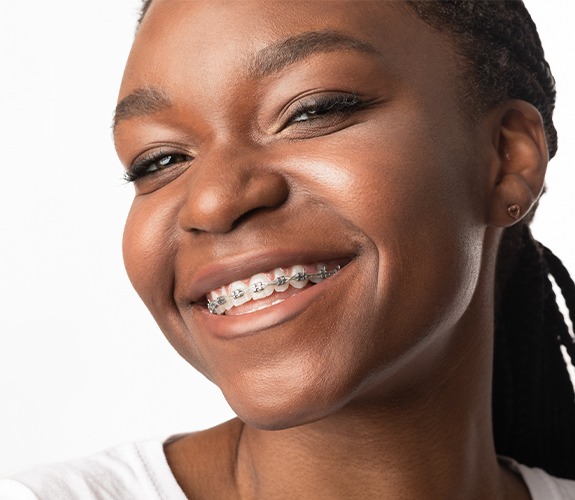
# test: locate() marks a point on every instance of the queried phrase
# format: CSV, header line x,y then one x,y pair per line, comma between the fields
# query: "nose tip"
x,y
219,204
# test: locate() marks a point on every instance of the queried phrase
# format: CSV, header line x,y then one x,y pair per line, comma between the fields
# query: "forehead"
x,y
216,41
238,19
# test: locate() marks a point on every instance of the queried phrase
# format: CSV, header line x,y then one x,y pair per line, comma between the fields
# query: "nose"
x,y
226,190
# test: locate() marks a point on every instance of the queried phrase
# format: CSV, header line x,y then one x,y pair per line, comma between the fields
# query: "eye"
x,y
325,106
154,163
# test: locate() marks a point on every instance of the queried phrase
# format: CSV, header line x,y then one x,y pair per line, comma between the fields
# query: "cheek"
x,y
148,249
150,246
414,193
430,247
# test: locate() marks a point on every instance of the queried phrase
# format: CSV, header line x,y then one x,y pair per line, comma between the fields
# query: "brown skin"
x,y
380,387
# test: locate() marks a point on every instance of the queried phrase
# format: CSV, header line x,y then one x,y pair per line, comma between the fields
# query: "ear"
x,y
520,161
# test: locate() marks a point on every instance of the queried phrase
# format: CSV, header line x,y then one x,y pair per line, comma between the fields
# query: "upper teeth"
x,y
260,286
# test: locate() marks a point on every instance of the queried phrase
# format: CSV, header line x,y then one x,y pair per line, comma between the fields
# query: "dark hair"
x,y
533,397
144,9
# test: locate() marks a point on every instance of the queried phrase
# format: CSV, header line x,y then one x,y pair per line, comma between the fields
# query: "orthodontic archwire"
x,y
260,286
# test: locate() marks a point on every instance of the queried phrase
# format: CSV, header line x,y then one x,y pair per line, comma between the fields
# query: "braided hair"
x,y
533,397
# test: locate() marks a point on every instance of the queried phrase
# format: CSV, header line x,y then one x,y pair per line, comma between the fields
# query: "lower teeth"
x,y
218,305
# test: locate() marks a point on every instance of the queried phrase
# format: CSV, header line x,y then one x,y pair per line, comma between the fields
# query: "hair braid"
x,y
533,398
567,287
559,413
501,50
526,289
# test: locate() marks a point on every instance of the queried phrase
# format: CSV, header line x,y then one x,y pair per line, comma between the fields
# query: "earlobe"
x,y
521,162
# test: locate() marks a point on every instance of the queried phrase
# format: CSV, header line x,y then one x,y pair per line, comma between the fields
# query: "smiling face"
x,y
267,135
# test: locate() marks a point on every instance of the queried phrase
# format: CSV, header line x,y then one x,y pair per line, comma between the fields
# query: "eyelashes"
x,y
322,106
320,111
154,163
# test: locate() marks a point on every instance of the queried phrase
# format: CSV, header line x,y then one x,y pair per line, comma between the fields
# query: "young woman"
x,y
331,223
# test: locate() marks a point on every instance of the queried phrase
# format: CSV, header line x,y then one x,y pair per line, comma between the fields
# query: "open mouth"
x,y
268,288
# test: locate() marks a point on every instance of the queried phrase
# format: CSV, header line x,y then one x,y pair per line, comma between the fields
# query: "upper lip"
x,y
240,267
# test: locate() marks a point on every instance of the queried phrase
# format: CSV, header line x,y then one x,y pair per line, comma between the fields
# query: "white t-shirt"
x,y
135,471
140,471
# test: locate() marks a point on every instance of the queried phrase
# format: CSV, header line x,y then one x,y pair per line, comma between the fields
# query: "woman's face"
x,y
279,134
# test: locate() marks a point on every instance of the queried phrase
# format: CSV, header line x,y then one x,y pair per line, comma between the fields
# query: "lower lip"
x,y
229,327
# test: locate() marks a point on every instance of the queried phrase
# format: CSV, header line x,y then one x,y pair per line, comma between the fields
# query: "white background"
x,y
82,365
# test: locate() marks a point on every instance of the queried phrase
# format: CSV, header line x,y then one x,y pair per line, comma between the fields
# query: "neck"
x,y
430,449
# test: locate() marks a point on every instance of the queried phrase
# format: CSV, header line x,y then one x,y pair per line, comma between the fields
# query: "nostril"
x,y
242,218
276,191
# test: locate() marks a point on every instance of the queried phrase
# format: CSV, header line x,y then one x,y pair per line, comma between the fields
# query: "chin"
x,y
277,406
276,417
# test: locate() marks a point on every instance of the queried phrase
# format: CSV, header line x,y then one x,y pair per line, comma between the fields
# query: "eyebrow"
x,y
141,102
296,48
271,59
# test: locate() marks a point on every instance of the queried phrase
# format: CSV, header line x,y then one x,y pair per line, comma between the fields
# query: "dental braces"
x,y
260,286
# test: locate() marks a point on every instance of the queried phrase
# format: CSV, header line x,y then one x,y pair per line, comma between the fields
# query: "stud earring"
x,y
514,211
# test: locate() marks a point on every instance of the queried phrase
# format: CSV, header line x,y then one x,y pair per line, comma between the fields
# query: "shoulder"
x,y
131,471
542,485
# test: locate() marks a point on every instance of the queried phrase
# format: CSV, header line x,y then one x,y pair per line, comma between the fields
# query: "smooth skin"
x,y
377,382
